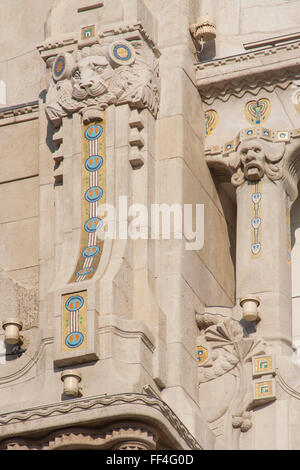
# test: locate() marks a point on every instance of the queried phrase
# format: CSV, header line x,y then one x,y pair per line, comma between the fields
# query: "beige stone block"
x,y
30,67
187,409
179,185
296,317
26,26
181,369
46,165
269,17
46,226
173,23
19,151
29,276
19,200
19,244
176,138
180,96
227,15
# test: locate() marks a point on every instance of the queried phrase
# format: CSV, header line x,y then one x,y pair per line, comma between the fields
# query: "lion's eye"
x,y
76,74
98,68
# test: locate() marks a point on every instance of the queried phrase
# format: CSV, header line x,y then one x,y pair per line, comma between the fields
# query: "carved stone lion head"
x,y
89,80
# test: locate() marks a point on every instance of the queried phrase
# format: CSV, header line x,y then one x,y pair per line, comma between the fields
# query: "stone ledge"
x,y
250,72
102,410
19,113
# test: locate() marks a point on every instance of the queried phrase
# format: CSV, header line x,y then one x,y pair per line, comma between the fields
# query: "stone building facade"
x,y
158,340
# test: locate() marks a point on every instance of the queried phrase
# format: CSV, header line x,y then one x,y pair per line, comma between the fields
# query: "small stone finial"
x,y
204,29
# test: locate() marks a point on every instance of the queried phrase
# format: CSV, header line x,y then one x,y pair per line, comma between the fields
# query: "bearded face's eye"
x,y
257,150
76,74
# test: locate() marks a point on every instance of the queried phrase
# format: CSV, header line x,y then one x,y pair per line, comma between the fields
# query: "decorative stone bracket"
x,y
107,72
222,338
257,152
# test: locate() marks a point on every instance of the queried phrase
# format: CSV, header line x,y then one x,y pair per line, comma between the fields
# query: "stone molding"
x,y
20,299
89,80
127,329
51,47
155,410
264,69
19,113
120,436
35,346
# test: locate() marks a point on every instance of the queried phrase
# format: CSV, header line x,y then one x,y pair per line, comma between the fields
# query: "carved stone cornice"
x,y
121,436
127,405
264,69
19,113
51,47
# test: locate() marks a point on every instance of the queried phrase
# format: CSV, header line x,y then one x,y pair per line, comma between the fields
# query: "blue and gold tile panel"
x,y
257,111
201,354
74,321
256,220
93,194
211,121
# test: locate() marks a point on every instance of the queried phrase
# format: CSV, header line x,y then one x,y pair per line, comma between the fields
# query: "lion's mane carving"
x,y
91,80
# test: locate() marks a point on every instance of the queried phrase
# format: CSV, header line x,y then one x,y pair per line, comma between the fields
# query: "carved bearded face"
x,y
252,157
90,77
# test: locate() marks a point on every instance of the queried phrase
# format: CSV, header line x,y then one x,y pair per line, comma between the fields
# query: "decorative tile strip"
x,y
74,321
256,220
93,188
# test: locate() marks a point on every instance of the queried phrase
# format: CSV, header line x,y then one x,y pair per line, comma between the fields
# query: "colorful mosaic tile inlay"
x,y
211,121
264,389
256,220
74,312
121,53
59,67
258,111
93,191
88,32
202,354
263,365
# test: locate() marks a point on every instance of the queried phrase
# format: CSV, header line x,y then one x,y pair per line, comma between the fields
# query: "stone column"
x,y
263,249
263,267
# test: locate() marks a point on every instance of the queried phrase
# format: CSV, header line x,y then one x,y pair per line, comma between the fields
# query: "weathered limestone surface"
x,y
166,355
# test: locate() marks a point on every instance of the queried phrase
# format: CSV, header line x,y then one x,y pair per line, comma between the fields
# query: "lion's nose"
x,y
85,83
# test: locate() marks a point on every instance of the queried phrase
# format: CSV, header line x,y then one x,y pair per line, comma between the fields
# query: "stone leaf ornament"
x,y
90,80
230,351
227,344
